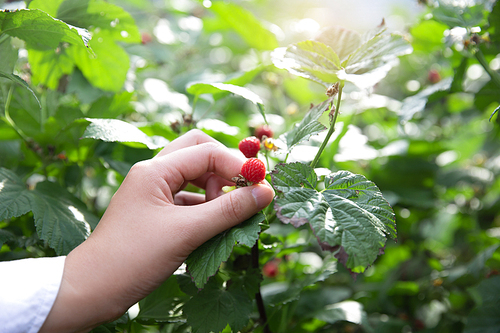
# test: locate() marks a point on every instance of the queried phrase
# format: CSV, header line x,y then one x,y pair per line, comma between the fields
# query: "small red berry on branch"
x,y
270,269
253,170
263,130
433,76
146,38
249,146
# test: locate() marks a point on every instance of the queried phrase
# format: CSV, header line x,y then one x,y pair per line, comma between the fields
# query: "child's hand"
x,y
149,229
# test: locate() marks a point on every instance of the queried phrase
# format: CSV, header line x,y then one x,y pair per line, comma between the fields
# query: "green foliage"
x,y
90,87
60,219
484,318
214,309
205,260
41,31
348,216
245,24
18,80
114,130
308,126
363,61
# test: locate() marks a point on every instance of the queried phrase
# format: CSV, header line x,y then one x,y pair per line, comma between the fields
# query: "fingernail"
x,y
261,196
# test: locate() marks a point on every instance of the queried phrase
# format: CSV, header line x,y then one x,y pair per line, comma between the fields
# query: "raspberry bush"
x,y
363,130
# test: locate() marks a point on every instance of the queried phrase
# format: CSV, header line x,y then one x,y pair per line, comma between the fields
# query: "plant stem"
x,y
258,296
331,130
267,159
494,75
194,104
43,112
3,37
9,120
206,111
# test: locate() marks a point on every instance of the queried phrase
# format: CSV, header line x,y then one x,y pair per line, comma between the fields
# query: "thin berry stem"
x,y
9,120
482,60
332,128
258,295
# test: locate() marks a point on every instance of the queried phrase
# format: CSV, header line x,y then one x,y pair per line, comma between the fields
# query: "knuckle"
x,y
211,146
142,170
197,134
212,150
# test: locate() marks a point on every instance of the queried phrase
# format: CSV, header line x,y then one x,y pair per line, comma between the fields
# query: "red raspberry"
x,y
270,269
249,146
253,170
263,130
146,38
433,76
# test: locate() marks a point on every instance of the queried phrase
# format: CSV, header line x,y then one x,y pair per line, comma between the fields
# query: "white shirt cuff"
x,y
28,289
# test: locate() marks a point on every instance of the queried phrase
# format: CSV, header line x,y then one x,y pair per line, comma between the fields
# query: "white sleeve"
x,y
28,289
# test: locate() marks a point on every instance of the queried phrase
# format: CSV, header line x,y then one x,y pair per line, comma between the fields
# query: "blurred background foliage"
x,y
423,135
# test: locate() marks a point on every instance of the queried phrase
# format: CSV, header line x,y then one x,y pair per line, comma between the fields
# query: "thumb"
x,y
228,210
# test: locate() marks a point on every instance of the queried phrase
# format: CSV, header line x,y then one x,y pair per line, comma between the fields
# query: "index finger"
x,y
192,138
192,162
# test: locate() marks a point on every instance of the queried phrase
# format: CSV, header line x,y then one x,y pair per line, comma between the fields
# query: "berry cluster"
x,y
253,170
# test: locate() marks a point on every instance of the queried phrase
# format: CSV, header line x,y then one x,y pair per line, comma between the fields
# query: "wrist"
x,y
86,298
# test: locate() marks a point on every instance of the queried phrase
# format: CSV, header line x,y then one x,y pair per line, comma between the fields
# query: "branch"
x,y
258,296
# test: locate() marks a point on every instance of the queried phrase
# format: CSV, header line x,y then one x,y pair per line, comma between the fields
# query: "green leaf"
x,y
204,262
161,303
16,79
279,293
82,88
246,25
462,14
475,267
111,106
215,88
315,299
14,196
417,103
49,66
213,309
349,311
246,77
102,15
371,62
364,62
341,40
248,280
25,112
459,76
60,218
349,216
428,36
298,174
484,318
494,20
489,94
136,3
6,236
40,30
108,68
8,54
114,130
309,59
308,127
50,7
